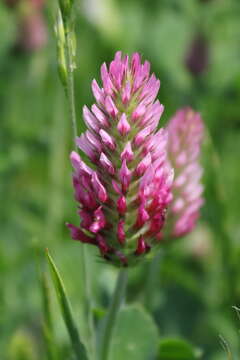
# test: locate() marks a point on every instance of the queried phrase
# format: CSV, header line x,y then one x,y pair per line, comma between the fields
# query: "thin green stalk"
x,y
152,276
110,321
83,252
88,303
70,84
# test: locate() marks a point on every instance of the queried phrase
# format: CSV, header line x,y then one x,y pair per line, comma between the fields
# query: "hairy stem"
x,y
83,250
70,85
110,320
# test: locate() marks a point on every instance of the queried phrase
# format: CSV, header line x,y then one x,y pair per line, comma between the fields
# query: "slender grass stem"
x,y
83,251
70,85
110,321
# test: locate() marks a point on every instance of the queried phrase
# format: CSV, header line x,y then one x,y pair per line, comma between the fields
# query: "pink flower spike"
x,y
99,188
123,125
107,140
120,232
126,189
185,135
127,153
106,163
121,205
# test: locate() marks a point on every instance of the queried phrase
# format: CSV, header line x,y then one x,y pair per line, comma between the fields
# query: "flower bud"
x,y
123,197
197,59
60,36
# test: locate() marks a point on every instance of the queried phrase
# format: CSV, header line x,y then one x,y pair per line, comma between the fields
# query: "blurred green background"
x,y
194,48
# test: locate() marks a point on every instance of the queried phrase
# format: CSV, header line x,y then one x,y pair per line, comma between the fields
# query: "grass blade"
x,y
78,346
48,333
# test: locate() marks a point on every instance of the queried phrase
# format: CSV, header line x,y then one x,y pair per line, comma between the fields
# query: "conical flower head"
x,y
123,195
185,133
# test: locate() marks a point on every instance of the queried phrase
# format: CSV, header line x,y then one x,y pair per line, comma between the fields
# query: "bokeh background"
x,y
194,49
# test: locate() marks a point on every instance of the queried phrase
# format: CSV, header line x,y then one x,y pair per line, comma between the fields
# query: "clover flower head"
x,y
185,133
124,191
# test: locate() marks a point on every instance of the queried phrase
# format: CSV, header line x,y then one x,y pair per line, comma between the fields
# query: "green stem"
x,y
88,303
83,253
70,84
152,277
110,321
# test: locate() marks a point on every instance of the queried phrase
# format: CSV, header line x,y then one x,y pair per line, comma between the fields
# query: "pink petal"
x,y
106,163
79,165
125,176
100,116
123,125
107,139
90,119
143,165
143,216
77,234
99,220
111,107
120,232
99,188
121,205
141,246
83,144
126,94
127,153
97,92
141,136
107,83
138,112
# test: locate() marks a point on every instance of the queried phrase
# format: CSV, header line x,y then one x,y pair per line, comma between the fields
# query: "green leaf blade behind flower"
x,y
78,347
136,335
177,349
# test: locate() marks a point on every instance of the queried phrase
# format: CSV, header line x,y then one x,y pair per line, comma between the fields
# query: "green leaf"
x,y
136,335
51,350
176,349
78,346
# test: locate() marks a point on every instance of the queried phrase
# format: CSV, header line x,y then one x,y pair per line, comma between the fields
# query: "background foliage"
x,y
190,292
